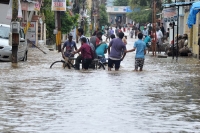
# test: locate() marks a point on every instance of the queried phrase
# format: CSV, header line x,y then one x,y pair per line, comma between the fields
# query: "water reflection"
x,y
162,98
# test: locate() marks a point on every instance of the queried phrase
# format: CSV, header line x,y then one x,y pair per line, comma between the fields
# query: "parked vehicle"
x,y
6,44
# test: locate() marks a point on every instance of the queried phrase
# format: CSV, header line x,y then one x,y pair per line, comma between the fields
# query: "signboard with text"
x,y
31,33
58,5
30,6
169,12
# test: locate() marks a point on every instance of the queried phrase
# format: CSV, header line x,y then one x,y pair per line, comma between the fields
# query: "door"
x,y
118,20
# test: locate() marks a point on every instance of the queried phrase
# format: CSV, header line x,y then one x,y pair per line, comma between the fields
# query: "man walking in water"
x,y
115,53
140,48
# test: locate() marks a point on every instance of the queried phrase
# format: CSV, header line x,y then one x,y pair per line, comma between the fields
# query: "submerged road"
x,y
165,97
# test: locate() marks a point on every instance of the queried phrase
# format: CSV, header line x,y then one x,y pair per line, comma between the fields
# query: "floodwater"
x,y
165,97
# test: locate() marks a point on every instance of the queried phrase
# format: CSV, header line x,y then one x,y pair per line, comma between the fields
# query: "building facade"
x,y
117,15
30,13
170,14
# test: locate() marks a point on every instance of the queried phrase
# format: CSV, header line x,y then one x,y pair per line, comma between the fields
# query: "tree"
x,y
121,2
49,17
145,13
142,15
103,19
67,21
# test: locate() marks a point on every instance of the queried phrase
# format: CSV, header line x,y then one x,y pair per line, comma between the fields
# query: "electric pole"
x,y
154,28
58,28
15,35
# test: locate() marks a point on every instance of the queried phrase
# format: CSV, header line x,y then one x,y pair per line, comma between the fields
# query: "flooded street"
x,y
165,97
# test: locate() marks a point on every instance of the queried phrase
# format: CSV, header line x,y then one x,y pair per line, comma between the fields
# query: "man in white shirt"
x,y
159,39
145,31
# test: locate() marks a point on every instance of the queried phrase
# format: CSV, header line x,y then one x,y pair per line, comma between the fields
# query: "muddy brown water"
x,y
165,97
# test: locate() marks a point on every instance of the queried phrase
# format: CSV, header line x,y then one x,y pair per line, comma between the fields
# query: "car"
x,y
6,44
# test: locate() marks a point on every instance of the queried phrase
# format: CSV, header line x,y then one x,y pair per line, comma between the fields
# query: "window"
x,y
22,35
4,32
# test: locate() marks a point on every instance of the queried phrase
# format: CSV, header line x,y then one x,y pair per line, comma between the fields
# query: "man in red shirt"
x,y
86,53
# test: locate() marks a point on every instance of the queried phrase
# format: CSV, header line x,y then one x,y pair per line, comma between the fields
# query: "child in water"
x,y
140,48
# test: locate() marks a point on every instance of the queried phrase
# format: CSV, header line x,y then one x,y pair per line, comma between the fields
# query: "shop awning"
x,y
192,15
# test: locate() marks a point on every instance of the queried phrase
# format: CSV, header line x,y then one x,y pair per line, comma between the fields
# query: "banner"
x,y
9,13
58,5
30,6
31,34
19,9
168,14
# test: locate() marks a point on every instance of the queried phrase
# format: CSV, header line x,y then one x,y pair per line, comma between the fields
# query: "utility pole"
x,y
15,35
154,28
58,28
91,19
28,22
97,17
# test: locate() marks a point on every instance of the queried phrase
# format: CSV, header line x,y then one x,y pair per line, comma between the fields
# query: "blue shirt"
x,y
69,47
140,47
111,31
101,49
117,47
147,39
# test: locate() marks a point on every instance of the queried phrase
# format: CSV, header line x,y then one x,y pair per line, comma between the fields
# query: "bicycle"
x,y
67,62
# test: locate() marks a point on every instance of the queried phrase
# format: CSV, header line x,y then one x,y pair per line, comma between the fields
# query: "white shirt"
x,y
159,34
82,36
145,32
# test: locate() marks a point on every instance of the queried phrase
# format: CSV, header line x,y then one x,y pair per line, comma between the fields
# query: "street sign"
x,y
58,5
31,33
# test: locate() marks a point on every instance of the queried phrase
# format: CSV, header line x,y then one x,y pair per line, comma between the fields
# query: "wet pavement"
x,y
165,97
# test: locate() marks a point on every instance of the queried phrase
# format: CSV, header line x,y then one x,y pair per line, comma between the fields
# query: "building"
x,y
180,17
3,14
30,13
117,15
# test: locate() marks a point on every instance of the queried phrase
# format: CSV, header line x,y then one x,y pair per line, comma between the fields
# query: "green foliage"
x,y
103,16
134,3
86,27
49,17
141,16
76,6
121,2
50,22
68,22
145,14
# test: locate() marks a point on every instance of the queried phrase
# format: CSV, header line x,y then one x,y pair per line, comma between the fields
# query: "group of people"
x,y
95,46
157,37
181,42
